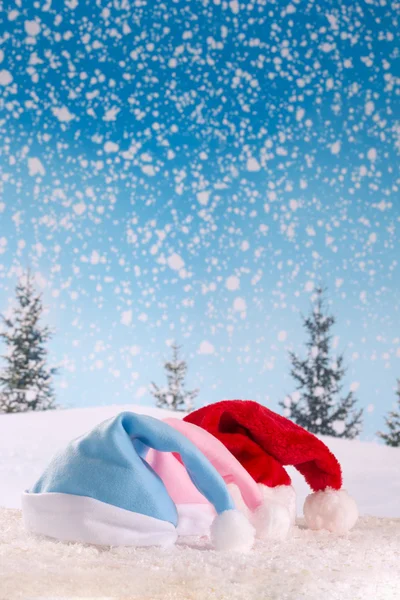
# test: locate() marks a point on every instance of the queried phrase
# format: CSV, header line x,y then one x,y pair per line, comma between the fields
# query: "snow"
x,y
32,28
308,566
79,208
126,317
239,120
175,262
372,238
369,107
253,164
63,114
309,286
111,114
206,348
239,304
5,77
362,565
111,147
335,148
203,197
234,5
95,258
232,283
12,15
35,166
148,170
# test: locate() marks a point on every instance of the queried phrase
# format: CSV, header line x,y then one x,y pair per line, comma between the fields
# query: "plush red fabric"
x,y
263,441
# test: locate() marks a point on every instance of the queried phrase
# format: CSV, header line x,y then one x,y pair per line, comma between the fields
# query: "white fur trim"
x,y
281,494
231,530
331,509
272,521
71,518
195,519
274,518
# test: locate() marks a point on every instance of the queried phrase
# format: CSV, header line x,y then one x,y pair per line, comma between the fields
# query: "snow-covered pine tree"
x,y
174,396
26,381
317,405
392,437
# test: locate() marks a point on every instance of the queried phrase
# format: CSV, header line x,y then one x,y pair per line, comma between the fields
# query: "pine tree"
x,y
175,396
392,437
317,405
26,381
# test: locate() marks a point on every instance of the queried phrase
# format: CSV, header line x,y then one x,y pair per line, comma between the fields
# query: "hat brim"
x,y
71,518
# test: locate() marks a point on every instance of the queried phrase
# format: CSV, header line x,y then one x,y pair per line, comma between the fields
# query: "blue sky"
x,y
192,173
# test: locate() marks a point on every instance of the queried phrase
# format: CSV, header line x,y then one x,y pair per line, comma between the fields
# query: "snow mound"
x,y
363,565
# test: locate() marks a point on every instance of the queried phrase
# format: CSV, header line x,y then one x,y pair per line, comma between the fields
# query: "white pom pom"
x,y
272,521
281,494
231,530
331,509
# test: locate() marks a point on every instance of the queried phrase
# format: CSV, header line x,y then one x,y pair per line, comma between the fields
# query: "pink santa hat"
x,y
195,513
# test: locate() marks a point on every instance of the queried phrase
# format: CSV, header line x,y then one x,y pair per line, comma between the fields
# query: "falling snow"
x,y
194,174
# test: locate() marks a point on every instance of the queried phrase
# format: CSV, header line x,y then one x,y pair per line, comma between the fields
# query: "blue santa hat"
x,y
100,489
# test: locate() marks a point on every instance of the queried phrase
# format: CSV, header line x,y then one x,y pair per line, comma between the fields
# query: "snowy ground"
x,y
310,565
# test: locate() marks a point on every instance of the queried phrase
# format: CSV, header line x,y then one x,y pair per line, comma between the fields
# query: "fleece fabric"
x,y
264,441
177,480
108,465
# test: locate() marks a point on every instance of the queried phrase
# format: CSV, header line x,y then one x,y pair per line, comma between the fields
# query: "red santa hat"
x,y
263,441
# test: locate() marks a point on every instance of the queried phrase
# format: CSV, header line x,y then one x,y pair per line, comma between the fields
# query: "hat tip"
x,y
231,531
334,510
272,521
